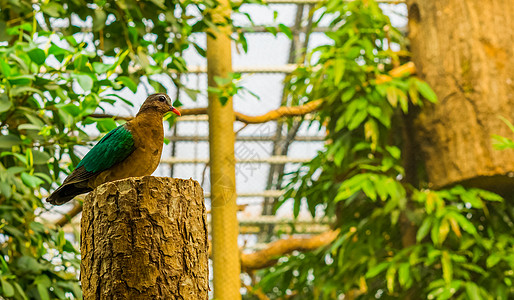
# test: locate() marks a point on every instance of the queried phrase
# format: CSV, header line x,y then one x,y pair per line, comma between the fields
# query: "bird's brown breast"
x,y
148,135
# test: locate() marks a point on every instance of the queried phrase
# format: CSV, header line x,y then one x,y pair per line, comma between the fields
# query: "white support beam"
x,y
267,193
257,160
243,138
287,68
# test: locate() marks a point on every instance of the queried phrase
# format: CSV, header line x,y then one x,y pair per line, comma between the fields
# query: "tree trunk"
x,y
463,49
225,228
145,238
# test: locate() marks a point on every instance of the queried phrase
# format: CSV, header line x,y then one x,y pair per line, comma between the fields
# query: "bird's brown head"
x,y
158,103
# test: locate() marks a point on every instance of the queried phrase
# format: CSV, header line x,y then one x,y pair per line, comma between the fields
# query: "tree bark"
x,y
145,238
463,49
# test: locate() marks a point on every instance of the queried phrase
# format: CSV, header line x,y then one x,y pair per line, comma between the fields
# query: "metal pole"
x,y
225,252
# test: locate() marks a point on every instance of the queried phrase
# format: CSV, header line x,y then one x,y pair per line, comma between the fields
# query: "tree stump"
x,y
145,238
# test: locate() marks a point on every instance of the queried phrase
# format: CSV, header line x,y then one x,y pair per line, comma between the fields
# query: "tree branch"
x,y
269,256
284,111
66,218
256,292
405,69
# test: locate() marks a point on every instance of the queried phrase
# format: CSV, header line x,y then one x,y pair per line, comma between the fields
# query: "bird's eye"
x,y
162,98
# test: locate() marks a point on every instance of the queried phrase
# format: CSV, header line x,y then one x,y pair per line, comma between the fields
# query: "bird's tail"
x,y
66,192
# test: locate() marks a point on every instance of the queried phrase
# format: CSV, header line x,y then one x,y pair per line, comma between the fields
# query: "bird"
x,y
130,150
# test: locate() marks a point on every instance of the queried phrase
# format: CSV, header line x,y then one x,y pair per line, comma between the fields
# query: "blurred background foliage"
x,y
56,71
398,238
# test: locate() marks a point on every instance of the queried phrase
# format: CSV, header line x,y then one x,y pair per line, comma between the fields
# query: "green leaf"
x,y
44,176
493,259
403,274
357,119
507,122
424,229
223,100
21,90
444,229
129,103
7,141
450,290
377,269
43,291
272,30
192,93
200,50
5,104
7,288
52,9
59,293
394,151
79,62
390,278
159,3
105,125
101,68
6,69
348,94
286,30
21,79
369,189
447,267
413,92
31,180
472,291
16,170
392,95
434,232
464,223
502,143
5,189
20,291
28,126
40,157
296,208
37,55
472,198
30,265
339,66
85,81
489,196
404,102
70,109
425,90
128,82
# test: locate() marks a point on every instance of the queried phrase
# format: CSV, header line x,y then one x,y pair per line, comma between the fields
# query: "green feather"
x,y
114,147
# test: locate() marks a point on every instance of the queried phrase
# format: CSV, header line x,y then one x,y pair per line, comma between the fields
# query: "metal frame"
x,y
279,159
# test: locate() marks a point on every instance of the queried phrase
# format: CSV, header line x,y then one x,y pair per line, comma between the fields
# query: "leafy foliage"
x,y
60,62
399,239
501,142
227,88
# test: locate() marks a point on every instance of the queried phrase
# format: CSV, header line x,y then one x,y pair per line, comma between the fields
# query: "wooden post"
x,y
145,238
225,230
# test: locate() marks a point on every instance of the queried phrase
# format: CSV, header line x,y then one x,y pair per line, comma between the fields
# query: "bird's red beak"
x,y
175,111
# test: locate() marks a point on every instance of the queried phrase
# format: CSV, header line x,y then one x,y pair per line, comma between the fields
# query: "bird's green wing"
x,y
114,147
